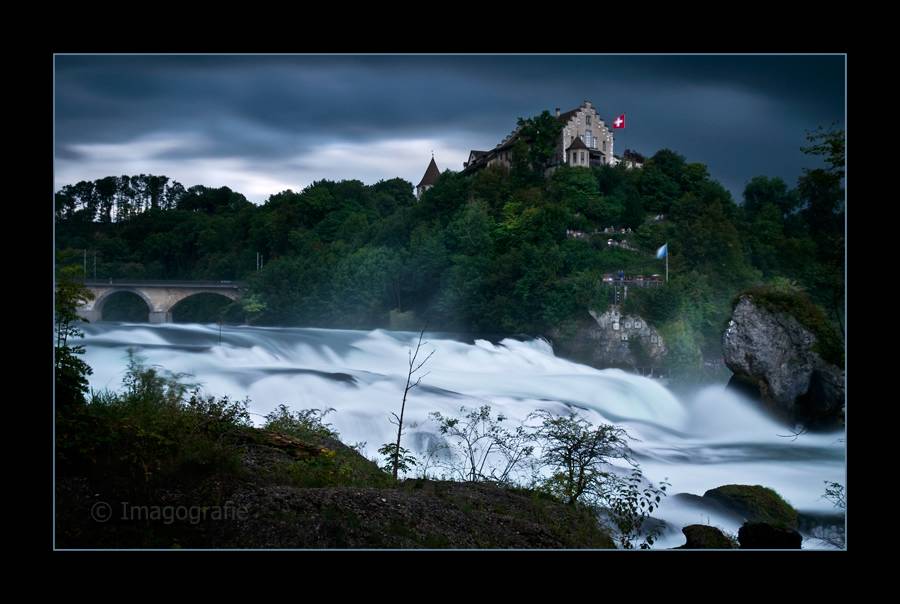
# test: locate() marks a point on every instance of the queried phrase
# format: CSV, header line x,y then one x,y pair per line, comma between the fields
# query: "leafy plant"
x,y
631,501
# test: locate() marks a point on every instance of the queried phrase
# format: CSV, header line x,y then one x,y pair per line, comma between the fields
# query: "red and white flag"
x,y
619,122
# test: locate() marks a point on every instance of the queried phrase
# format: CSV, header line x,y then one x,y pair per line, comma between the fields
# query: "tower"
x,y
431,175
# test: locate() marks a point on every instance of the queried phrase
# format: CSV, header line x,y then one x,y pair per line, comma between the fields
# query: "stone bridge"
x,y
159,296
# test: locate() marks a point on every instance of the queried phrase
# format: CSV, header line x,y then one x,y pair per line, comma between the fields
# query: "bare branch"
x,y
794,435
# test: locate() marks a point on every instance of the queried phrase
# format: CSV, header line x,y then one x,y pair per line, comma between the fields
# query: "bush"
x,y
304,423
153,433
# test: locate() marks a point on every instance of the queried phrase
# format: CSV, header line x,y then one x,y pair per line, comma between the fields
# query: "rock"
x,y
755,504
760,535
597,341
767,347
700,536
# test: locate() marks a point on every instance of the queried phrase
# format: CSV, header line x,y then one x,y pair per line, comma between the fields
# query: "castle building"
x,y
585,140
431,175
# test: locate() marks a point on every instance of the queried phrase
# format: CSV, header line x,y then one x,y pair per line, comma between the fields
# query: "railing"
x,y
163,283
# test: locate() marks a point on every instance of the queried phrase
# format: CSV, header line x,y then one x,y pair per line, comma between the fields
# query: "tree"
x,y
70,371
399,458
542,135
578,454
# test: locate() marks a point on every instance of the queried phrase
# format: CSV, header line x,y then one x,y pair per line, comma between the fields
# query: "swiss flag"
x,y
619,122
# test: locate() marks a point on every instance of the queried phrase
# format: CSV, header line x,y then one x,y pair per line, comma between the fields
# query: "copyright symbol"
x,y
101,511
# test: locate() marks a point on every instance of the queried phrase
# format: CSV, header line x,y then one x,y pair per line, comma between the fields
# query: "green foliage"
x,y
153,432
578,455
683,352
399,460
657,305
631,501
70,372
542,134
305,423
485,251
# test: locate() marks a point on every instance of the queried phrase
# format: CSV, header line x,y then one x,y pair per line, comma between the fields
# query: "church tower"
x,y
431,175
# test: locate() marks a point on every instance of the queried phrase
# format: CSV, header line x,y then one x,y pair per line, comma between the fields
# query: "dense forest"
x,y
497,251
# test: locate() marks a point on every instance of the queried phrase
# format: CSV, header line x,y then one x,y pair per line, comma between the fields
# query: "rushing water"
x,y
698,442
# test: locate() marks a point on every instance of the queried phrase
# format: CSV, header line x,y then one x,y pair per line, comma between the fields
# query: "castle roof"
x,y
577,144
565,117
431,175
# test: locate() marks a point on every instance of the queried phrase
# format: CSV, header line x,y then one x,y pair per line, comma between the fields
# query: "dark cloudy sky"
x,y
261,124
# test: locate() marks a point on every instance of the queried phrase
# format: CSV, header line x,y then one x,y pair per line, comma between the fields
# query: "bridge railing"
x,y
163,283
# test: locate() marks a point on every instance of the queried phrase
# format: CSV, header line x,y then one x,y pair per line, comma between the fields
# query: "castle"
x,y
585,141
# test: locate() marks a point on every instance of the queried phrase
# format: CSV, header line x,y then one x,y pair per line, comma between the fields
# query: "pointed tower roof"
x,y
577,144
431,174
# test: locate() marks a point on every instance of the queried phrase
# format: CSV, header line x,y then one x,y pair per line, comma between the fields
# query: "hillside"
x,y
496,251
138,475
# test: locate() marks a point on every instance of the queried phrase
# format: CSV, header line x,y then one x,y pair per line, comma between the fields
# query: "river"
x,y
700,441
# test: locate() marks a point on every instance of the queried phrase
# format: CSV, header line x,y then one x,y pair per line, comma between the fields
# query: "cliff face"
x,y
611,339
775,352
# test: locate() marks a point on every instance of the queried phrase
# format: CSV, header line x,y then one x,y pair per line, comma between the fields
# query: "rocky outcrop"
x,y
767,347
610,339
759,535
700,536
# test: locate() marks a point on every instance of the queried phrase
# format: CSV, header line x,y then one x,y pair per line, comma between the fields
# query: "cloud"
x,y
256,179
274,121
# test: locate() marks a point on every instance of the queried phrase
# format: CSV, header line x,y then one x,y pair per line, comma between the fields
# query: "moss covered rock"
x,y
701,536
755,503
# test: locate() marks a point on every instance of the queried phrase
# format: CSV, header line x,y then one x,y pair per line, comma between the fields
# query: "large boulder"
x,y
700,536
755,503
781,344
759,535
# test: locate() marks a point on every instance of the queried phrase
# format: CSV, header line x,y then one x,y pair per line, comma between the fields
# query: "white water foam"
x,y
715,437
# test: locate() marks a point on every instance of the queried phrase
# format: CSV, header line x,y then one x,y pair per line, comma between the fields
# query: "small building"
x,y
431,176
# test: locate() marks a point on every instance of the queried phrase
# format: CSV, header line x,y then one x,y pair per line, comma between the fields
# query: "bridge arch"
x,y
159,296
102,306
200,307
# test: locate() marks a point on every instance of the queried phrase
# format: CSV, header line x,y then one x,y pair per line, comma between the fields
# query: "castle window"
x,y
581,156
587,120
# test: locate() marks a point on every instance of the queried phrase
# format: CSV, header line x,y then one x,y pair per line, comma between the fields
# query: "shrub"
x,y
303,423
